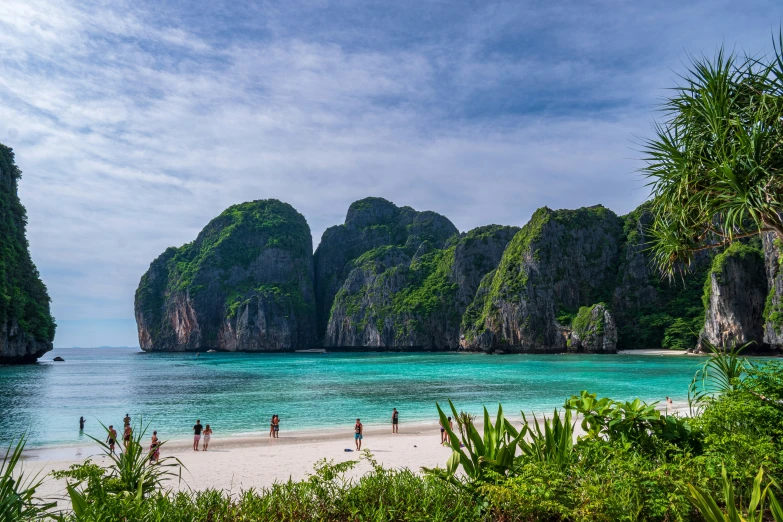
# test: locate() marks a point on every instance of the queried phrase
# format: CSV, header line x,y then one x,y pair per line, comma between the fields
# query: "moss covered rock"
x,y
26,325
244,284
593,331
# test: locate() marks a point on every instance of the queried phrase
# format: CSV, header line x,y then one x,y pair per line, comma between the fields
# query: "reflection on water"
x,y
238,393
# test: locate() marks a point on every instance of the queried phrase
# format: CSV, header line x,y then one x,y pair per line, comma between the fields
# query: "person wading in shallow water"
x,y
197,434
395,420
358,434
81,423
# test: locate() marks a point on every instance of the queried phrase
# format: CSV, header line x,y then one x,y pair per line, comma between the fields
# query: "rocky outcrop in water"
x,y
244,284
593,331
26,325
558,262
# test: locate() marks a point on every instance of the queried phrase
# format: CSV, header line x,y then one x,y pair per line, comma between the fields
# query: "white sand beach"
x,y
235,463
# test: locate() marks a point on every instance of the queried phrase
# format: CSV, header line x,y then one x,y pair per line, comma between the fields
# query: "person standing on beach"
x,y
207,435
276,422
451,427
395,420
126,435
272,426
442,433
154,448
81,423
126,420
197,434
358,434
112,438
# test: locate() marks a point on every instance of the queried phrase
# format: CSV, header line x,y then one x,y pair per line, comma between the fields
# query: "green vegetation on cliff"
x,y
23,296
584,324
673,314
239,255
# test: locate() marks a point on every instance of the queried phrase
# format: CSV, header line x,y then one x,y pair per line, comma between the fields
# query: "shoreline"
x,y
239,463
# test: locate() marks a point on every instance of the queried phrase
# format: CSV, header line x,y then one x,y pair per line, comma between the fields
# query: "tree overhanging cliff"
x,y
26,324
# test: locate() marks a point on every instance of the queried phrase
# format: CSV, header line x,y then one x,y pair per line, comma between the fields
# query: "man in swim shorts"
x,y
395,420
358,434
112,438
197,434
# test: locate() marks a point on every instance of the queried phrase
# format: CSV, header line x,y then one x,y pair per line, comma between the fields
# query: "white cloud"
x,y
133,131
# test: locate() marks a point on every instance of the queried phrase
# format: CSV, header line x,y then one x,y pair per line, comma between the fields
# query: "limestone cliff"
x,y
392,299
735,291
371,223
773,306
558,262
652,311
244,284
26,325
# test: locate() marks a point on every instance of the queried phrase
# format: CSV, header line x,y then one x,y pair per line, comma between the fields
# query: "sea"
x,y
237,393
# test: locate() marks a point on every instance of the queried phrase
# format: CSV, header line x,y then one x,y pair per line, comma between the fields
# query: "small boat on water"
x,y
311,350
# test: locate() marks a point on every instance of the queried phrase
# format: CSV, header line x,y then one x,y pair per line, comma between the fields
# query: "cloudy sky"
x,y
136,122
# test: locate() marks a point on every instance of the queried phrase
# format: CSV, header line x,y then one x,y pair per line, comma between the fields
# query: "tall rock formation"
x,y
773,306
735,291
244,284
371,223
413,296
26,326
558,262
652,311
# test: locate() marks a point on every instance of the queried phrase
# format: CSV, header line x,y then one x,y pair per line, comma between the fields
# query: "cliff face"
x,y
407,284
26,326
773,306
735,291
394,299
651,311
558,262
370,224
244,284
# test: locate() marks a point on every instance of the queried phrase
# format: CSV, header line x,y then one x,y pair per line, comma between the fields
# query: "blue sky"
x,y
137,122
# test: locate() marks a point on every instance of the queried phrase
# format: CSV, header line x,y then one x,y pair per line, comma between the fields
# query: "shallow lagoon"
x,y
238,393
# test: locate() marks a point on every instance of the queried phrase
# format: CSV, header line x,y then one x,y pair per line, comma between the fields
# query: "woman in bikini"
x,y
207,434
272,426
154,448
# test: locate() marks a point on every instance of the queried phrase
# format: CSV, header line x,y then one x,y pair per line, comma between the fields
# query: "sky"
x,y
136,122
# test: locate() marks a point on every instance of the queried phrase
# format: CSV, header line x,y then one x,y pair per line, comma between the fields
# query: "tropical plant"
x,y
17,492
479,457
708,506
130,477
633,422
715,164
554,444
722,373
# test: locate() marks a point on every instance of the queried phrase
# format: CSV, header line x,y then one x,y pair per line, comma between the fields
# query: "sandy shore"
x,y
242,462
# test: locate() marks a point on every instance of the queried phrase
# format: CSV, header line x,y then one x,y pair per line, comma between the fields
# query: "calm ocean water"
x,y
238,393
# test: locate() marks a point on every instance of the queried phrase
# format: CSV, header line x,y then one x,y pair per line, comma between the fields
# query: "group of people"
x,y
201,432
198,429
274,426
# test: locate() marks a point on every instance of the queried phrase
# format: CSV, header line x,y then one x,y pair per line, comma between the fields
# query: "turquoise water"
x,y
238,393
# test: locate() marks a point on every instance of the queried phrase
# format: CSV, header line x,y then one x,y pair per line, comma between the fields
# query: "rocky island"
x,y
394,278
26,325
244,284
